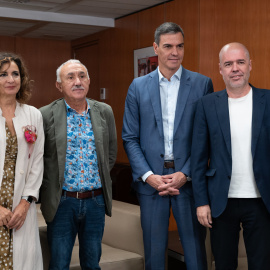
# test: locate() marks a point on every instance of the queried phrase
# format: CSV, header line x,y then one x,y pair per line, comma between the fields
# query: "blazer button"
x,y
229,177
21,172
162,155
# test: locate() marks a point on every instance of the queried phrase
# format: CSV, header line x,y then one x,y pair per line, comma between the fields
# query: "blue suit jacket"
x,y
211,158
143,134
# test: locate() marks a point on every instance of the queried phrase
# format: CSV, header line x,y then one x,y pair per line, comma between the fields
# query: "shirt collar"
x,y
68,108
177,74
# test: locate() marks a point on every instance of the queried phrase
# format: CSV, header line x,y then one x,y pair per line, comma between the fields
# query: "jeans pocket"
x,y
99,200
62,199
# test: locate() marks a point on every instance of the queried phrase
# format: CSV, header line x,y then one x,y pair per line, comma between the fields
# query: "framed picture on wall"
x,y
145,61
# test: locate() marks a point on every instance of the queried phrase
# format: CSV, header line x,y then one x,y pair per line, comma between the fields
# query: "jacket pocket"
x,y
210,172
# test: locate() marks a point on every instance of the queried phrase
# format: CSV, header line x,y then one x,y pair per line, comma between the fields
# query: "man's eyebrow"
x,y
166,44
70,73
237,60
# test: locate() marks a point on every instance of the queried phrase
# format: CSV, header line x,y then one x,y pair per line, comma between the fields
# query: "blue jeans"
x,y
74,216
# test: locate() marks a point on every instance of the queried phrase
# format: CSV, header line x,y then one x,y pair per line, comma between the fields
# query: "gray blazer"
x,y
55,129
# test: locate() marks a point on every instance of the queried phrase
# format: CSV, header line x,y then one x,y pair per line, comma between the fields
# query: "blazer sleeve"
x,y
200,156
112,139
131,133
208,89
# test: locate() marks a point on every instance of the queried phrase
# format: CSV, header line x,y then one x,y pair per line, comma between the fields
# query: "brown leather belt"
x,y
168,164
83,195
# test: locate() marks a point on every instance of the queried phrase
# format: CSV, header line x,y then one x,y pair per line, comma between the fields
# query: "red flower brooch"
x,y
30,137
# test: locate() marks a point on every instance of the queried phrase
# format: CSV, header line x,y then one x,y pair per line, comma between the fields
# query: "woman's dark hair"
x,y
25,92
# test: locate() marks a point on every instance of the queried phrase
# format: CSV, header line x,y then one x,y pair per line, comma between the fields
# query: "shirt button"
x,y
21,172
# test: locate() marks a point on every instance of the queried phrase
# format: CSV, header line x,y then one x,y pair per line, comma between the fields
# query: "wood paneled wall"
x,y
42,57
108,55
116,47
208,25
244,21
7,44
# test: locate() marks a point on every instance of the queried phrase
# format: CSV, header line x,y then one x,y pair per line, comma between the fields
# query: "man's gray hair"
x,y
167,28
71,61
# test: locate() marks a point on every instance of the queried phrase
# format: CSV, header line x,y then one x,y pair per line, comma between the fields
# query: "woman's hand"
x,y
19,215
5,216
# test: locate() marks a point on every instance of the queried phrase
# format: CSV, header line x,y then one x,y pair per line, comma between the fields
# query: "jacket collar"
x,y
154,93
222,109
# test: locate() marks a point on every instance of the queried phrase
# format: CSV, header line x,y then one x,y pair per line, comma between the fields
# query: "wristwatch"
x,y
188,178
29,199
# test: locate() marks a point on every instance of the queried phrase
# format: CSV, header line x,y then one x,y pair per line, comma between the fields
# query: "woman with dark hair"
x,y
21,168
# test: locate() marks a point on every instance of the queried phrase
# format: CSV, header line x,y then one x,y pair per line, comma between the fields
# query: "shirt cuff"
x,y
144,177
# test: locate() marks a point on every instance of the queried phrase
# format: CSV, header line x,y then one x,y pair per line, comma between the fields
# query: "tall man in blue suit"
x,y
157,132
231,164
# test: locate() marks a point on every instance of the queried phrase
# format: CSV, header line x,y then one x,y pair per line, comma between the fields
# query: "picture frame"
x,y
145,61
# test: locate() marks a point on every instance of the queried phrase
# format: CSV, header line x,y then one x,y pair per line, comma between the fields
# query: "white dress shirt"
x,y
168,95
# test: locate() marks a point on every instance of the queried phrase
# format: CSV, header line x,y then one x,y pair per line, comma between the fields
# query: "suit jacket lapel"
x,y
257,117
182,97
154,93
222,109
97,129
60,126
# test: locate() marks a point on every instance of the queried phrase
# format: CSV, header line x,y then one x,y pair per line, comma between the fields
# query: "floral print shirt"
x,y
81,169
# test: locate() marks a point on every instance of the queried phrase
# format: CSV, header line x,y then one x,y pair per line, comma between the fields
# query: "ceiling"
x,y
64,19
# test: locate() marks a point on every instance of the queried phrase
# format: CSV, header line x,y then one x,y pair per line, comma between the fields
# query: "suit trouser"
x,y
255,220
155,214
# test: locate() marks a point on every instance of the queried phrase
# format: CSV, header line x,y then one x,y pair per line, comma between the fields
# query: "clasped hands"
x,y
167,184
15,219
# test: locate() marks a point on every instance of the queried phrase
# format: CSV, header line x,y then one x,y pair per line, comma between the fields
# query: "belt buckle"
x,y
166,164
169,164
77,195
